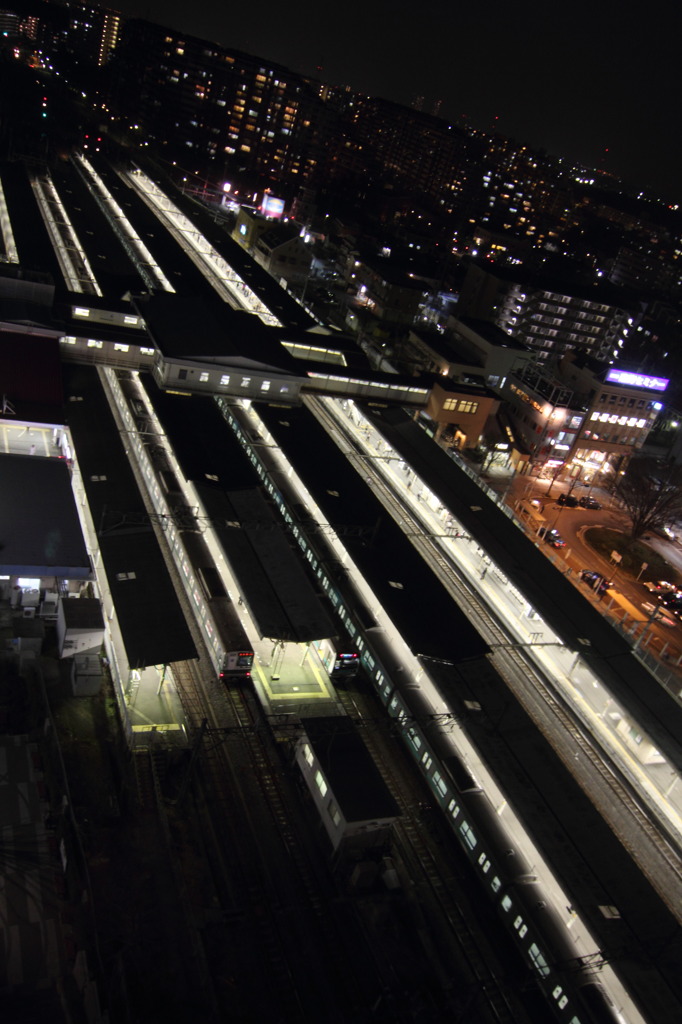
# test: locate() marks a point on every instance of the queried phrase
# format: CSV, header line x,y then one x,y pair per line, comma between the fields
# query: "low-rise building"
x,y
461,412
584,417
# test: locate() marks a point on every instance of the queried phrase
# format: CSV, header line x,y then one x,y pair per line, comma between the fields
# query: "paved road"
x,y
572,524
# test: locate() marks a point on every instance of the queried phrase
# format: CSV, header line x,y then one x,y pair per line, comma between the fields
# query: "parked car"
x,y
659,586
552,537
569,500
587,501
666,532
596,580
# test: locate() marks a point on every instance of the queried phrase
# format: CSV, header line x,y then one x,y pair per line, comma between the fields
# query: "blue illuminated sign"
x,y
637,380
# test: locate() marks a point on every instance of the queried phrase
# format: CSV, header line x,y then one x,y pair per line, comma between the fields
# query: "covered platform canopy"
x,y
152,623
274,586
40,533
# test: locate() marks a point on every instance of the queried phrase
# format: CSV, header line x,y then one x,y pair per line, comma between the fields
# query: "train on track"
x,y
569,984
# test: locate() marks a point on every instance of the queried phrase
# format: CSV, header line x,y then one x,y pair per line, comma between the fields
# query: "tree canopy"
x,y
651,492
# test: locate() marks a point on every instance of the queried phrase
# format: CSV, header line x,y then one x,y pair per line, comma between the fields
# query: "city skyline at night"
x,y
590,85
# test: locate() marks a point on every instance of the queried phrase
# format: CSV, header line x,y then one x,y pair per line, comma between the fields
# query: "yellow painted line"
x,y
169,727
308,695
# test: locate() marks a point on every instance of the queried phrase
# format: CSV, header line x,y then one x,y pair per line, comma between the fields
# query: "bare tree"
x,y
651,492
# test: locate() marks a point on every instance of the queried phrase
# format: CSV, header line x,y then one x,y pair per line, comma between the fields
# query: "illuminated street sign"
x,y
637,380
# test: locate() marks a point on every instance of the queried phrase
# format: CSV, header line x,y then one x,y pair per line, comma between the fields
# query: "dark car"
x,y
588,502
672,601
569,500
595,580
552,537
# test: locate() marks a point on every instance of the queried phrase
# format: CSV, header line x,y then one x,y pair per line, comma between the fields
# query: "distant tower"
x,y
417,103
436,107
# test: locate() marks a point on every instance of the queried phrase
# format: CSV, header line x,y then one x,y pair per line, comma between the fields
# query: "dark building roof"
x,y
40,533
184,328
355,781
152,623
491,332
85,613
31,378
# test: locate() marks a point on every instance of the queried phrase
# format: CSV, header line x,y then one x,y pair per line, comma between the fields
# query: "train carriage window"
x,y
427,760
538,959
414,737
308,754
506,902
560,996
495,884
468,835
441,785
453,807
484,863
321,783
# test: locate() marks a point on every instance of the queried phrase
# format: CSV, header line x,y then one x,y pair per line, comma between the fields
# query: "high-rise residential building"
x,y
214,110
551,318
524,194
83,32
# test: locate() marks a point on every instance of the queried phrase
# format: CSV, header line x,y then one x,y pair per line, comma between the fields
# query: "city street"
x,y
573,524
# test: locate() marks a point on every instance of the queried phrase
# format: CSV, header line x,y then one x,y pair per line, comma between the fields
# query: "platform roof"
x,y
152,623
418,604
280,597
40,533
30,378
580,626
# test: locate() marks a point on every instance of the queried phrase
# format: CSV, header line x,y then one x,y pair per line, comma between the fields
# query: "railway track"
x,y
594,769
442,892
270,872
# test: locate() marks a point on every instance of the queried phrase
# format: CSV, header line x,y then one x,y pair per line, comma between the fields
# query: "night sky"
x,y
594,82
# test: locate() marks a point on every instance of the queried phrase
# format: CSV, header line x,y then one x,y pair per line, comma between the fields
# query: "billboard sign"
x,y
637,380
272,207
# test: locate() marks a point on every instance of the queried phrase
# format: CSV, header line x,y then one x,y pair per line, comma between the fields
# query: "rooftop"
x,y
40,533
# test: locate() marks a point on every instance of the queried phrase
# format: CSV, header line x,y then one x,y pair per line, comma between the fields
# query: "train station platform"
x,y
154,709
290,679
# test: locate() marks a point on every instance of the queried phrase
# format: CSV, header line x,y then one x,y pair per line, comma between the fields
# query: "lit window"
x,y
147,351
321,783
81,311
94,344
225,379
203,376
129,319
308,754
121,348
